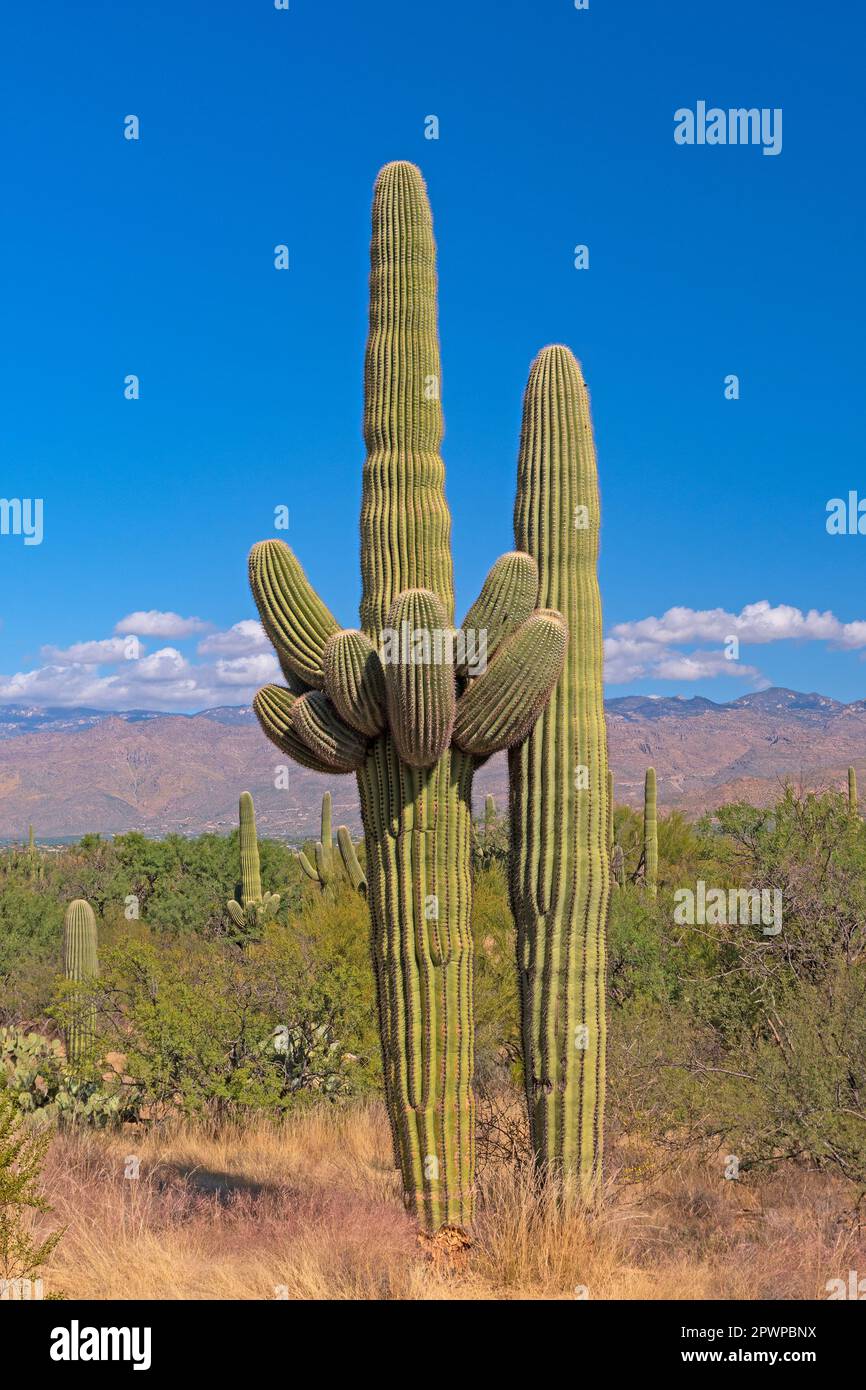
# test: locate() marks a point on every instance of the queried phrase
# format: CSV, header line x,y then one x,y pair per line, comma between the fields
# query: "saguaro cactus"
x,y
34,862
852,791
617,859
650,833
560,880
254,909
323,871
386,703
80,963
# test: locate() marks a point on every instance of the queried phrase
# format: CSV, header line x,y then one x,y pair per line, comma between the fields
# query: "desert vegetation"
x,y
240,1079
238,1036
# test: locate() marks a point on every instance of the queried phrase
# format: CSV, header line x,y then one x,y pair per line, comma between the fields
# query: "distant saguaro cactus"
x,y
410,717
852,791
254,909
560,829
617,858
80,964
650,833
324,870
34,862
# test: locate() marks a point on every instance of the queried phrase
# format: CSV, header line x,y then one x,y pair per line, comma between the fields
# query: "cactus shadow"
x,y
225,1188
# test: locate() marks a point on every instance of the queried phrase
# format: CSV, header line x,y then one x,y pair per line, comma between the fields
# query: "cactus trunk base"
x,y
417,826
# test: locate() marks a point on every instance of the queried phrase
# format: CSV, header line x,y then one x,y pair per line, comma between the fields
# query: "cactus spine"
x,y
400,719
852,791
323,871
80,964
254,909
650,833
560,876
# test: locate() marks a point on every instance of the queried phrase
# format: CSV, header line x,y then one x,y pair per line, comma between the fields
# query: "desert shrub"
x,y
205,1026
757,1040
30,927
22,1154
497,1012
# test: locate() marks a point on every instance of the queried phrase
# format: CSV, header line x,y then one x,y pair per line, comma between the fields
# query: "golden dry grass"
x,y
310,1210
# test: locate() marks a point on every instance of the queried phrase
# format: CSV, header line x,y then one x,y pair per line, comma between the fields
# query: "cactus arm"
x,y
405,521
419,680
237,913
316,724
270,905
355,681
293,616
273,707
309,869
508,595
318,739
500,707
325,847
560,875
323,873
650,833
350,860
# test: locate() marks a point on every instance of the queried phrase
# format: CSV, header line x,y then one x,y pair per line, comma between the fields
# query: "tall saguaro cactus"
x,y
852,791
80,964
385,703
650,833
560,880
254,909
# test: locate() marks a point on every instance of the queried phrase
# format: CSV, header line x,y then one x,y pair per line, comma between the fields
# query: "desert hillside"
x,y
68,771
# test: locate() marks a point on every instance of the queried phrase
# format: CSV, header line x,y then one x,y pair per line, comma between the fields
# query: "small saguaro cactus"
x,y
254,909
611,836
650,833
80,964
34,862
617,858
396,704
560,874
852,791
324,870
491,837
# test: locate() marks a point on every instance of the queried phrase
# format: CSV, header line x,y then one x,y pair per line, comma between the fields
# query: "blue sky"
x,y
260,127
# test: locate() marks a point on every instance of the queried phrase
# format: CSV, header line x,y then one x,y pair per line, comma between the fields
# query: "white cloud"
x,y
153,623
682,646
647,649
164,679
105,652
244,639
249,670
757,622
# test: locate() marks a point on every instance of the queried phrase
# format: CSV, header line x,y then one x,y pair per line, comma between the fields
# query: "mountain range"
x,y
68,771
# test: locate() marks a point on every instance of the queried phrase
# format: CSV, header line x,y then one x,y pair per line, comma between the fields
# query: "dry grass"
x,y
311,1210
